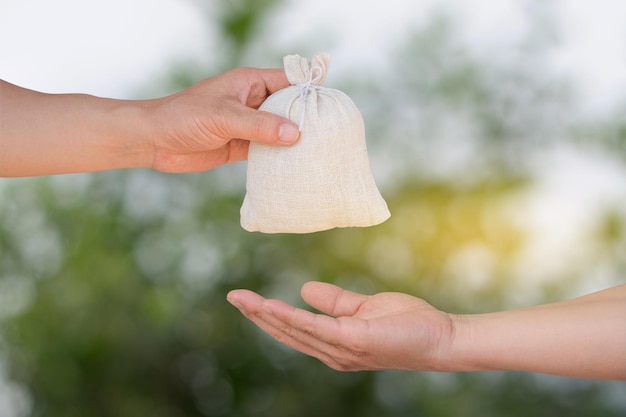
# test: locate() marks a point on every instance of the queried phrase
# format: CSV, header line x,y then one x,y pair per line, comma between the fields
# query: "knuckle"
x,y
309,331
348,357
258,126
283,334
352,348
343,365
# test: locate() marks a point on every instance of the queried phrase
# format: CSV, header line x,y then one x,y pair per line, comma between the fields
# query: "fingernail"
x,y
234,303
288,133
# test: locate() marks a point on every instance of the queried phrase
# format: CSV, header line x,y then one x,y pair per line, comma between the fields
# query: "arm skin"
x,y
202,127
584,337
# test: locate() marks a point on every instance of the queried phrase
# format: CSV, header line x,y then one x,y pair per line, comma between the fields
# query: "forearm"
x,y
584,337
43,134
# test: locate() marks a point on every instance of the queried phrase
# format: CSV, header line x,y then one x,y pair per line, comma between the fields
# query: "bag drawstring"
x,y
305,90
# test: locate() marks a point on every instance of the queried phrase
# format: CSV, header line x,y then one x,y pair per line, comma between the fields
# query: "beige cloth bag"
x,y
324,180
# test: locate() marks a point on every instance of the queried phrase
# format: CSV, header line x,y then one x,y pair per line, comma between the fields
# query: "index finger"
x,y
274,78
317,331
295,327
253,85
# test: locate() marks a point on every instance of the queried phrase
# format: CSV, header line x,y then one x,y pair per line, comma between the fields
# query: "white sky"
x,y
111,47
100,47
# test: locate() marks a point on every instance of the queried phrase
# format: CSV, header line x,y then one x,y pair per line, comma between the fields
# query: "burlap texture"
x,y
324,180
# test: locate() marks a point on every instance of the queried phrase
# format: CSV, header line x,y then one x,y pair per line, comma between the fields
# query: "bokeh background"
x,y
497,135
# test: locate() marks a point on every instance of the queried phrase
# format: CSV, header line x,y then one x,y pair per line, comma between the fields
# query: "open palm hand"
x,y
357,332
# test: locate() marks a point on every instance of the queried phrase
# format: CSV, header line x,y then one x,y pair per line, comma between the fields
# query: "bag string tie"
x,y
305,90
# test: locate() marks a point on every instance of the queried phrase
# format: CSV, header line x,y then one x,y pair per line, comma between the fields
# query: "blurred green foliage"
x,y
115,283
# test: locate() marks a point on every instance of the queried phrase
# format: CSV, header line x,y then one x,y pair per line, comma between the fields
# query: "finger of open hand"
x,y
338,343
261,313
328,339
315,335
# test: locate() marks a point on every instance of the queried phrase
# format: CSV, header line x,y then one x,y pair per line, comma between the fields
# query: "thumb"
x,y
263,127
331,299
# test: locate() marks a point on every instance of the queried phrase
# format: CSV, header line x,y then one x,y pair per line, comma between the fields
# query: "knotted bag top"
x,y
306,75
300,71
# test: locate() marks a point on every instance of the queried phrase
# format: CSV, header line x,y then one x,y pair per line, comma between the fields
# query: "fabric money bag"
x,y
324,180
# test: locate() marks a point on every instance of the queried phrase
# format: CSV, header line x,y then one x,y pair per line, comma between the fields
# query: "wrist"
x,y
471,346
455,353
133,126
